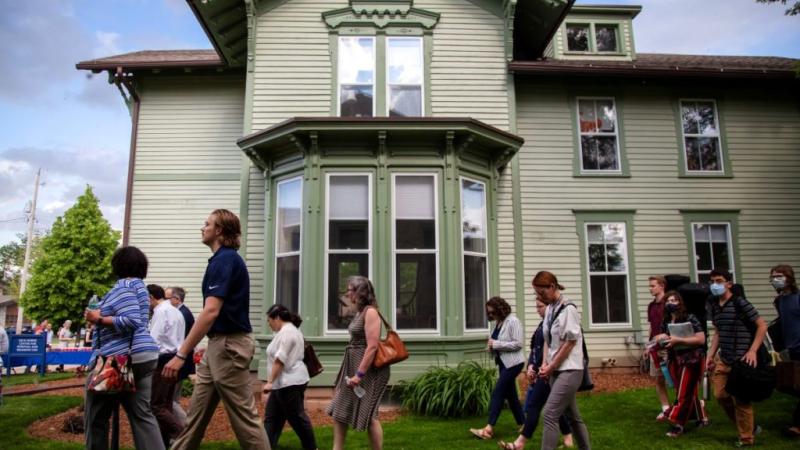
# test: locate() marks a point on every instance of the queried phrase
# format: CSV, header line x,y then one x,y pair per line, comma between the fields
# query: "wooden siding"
x,y
761,132
187,164
558,45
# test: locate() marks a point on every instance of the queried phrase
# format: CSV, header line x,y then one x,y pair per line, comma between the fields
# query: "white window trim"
x,y
339,65
420,331
386,71
590,38
298,253
718,135
466,253
731,256
615,134
327,331
614,325
618,38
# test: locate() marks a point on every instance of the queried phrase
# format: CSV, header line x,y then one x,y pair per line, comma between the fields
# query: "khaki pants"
x,y
740,413
224,374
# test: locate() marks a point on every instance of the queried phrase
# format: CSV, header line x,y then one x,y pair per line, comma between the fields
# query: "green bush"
x,y
459,391
187,387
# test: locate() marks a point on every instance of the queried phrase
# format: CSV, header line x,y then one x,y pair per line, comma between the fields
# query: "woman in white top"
x,y
563,361
505,344
287,377
65,333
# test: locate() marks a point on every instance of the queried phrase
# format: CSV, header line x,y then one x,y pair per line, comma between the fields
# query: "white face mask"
x,y
778,282
717,289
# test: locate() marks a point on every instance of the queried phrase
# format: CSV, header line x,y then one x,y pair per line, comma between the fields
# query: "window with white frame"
x,y
288,235
356,76
578,37
415,248
597,123
712,248
475,252
607,256
606,38
701,138
405,69
348,241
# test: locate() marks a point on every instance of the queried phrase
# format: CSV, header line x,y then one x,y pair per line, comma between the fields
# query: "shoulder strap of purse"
x,y
583,338
388,327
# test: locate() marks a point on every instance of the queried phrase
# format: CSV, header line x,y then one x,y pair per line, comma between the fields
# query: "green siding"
x,y
187,164
762,136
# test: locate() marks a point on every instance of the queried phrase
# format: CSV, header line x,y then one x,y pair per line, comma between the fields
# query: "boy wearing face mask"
x,y
787,303
731,316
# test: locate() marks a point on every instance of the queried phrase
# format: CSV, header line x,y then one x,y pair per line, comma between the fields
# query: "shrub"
x,y
459,391
187,388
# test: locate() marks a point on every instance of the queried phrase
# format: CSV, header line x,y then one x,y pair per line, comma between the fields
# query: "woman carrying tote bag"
x,y
121,329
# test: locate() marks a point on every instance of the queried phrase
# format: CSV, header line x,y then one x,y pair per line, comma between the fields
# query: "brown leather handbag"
x,y
391,349
311,361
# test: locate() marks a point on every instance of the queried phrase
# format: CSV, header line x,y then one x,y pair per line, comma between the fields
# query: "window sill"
x,y
588,53
601,175
623,328
705,175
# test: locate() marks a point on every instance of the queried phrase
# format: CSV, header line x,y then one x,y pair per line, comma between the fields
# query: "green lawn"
x,y
32,378
616,421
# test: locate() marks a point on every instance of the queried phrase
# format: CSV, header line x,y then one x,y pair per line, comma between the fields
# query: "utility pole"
x,y
23,282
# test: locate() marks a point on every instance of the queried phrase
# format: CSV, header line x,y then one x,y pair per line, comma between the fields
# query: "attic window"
x,y
606,38
578,38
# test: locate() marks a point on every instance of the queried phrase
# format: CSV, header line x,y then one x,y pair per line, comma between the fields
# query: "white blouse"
x,y
565,327
287,346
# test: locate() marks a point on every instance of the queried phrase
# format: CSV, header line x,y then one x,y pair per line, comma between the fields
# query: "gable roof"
x,y
668,65
155,59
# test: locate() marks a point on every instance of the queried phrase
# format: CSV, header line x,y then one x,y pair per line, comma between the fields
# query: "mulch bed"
x,y
605,380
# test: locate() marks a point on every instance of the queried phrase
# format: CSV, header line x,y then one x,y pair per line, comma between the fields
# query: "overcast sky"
x,y
76,128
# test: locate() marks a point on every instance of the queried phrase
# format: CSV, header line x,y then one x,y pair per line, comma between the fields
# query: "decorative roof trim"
x,y
380,14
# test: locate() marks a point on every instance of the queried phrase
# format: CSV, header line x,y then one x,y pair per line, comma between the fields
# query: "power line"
x,y
13,220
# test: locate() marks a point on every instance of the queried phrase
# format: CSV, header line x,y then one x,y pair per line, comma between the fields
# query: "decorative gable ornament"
x,y
380,14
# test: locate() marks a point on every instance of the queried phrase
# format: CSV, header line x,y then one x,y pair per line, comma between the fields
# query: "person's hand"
x,y
750,358
92,315
710,363
354,381
545,370
531,375
171,369
670,341
266,388
490,344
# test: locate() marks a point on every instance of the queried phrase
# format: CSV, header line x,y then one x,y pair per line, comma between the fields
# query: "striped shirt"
x,y
509,343
129,304
734,336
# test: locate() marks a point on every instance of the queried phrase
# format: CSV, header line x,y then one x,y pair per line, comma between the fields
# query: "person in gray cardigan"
x,y
505,344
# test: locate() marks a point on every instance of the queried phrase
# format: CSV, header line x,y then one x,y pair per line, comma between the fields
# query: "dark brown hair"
x,y
681,314
501,307
129,262
363,290
787,271
282,312
544,278
228,222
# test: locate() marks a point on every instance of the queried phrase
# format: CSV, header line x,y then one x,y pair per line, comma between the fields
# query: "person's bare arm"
x,y
201,326
372,328
561,354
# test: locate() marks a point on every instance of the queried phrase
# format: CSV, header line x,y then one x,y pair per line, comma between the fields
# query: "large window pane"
x,y
606,38
475,291
473,216
348,215
608,272
597,123
701,136
712,249
416,234
356,101
287,282
289,215
340,267
405,61
405,101
415,291
578,38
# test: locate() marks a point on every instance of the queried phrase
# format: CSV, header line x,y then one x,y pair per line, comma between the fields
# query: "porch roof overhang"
x,y
456,133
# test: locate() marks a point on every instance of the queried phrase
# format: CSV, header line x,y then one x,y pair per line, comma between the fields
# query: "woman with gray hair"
x,y
359,384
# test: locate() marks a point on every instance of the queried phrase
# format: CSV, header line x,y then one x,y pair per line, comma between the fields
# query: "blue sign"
x,y
30,346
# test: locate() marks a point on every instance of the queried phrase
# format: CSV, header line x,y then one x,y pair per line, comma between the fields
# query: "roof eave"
x,y
545,70
98,66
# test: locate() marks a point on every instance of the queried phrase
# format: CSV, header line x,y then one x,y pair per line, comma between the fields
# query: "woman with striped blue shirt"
x,y
121,324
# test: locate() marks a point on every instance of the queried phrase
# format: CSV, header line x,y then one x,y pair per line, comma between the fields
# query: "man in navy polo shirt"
x,y
224,372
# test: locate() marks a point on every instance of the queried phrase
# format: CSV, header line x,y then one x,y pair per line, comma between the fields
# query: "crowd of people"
x,y
159,333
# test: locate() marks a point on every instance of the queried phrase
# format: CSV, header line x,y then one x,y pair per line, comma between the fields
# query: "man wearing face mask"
x,y
788,305
732,317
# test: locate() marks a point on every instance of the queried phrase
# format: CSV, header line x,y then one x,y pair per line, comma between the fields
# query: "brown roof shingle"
x,y
668,65
155,59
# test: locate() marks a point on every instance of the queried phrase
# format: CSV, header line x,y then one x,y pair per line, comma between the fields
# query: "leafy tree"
x,y
75,262
792,10
12,257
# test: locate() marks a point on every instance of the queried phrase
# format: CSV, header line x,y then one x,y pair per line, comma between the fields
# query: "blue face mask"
x,y
778,283
717,289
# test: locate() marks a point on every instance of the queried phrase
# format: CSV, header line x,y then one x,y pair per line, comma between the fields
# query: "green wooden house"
x,y
450,149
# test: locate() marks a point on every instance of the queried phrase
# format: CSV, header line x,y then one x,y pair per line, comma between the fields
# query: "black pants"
x,y
284,404
506,390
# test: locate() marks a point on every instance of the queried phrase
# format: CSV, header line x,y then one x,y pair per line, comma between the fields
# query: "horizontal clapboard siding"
x,y
762,131
187,164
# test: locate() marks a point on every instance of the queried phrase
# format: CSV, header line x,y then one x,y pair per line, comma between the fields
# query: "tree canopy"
x,y
792,10
12,256
75,262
